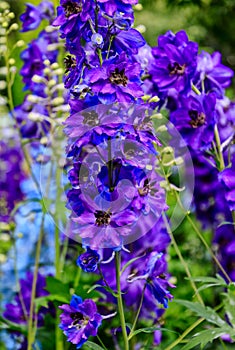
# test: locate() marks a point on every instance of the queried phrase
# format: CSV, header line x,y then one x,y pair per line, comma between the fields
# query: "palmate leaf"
x,y
93,346
203,311
206,336
217,280
150,330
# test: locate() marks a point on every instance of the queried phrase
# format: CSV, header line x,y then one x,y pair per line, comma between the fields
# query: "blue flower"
x,y
175,62
33,15
79,320
88,261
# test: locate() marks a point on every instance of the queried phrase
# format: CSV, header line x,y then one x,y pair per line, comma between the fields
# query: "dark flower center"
x,y
72,8
90,118
144,190
79,320
176,68
102,218
70,62
197,119
118,77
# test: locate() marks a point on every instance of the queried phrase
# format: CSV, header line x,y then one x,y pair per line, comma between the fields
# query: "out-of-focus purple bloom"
x,y
19,313
155,283
195,120
11,175
34,57
79,320
212,73
25,115
117,79
33,15
88,261
209,195
175,62
227,177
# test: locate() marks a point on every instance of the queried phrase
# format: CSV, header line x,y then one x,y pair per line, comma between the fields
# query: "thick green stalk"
x,y
183,262
119,299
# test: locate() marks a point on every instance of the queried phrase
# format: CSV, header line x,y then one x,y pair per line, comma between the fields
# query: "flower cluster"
x,y
11,176
192,87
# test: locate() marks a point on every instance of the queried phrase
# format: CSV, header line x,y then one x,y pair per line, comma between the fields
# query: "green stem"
x,y
137,314
186,332
119,299
31,334
218,144
101,343
195,89
77,278
187,214
183,262
100,56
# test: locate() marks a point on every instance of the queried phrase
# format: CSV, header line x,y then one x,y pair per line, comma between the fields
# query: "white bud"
x,y
13,69
161,128
138,7
157,116
51,83
57,101
14,26
46,62
44,140
20,43
34,99
54,65
3,84
154,99
12,61
58,71
36,117
168,149
38,79
141,28
11,15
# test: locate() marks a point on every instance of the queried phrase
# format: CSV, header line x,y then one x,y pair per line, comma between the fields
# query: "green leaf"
x,y
229,306
5,324
203,311
219,280
150,330
204,337
93,346
104,287
53,286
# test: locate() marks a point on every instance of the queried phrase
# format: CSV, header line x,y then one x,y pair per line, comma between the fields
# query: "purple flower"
x,y
99,227
18,312
34,56
79,320
227,177
175,62
72,15
156,284
11,175
28,127
212,73
88,261
195,119
33,15
112,6
117,79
